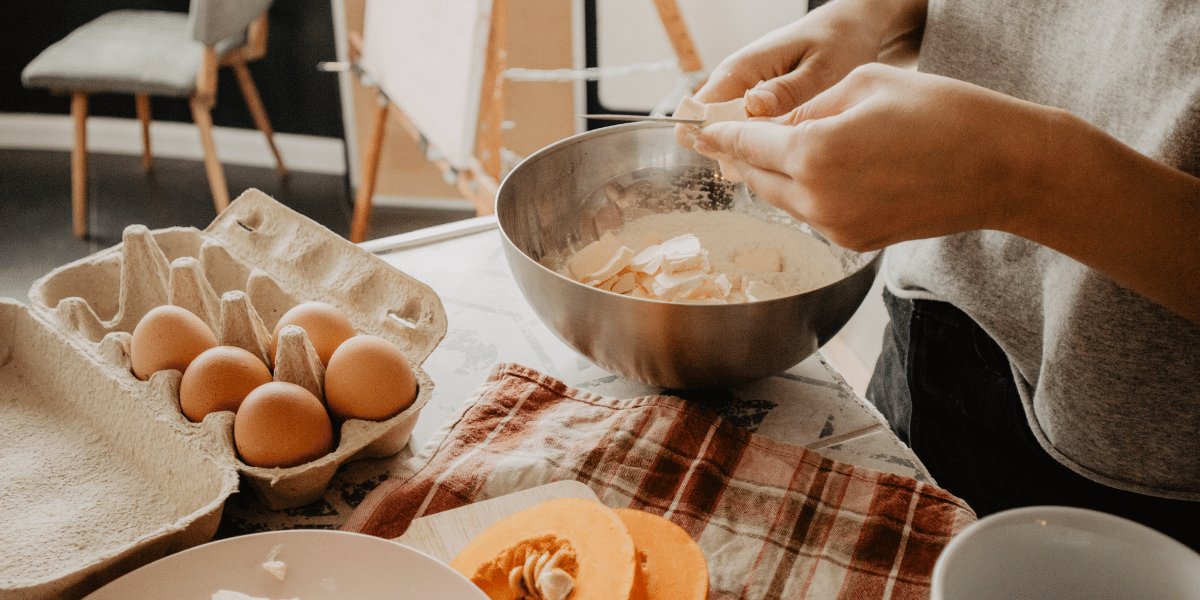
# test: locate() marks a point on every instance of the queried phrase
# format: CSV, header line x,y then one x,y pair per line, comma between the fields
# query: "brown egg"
x,y
325,325
368,378
219,379
168,337
281,424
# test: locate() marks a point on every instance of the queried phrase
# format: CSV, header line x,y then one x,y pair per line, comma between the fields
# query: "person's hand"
x,y
888,155
798,61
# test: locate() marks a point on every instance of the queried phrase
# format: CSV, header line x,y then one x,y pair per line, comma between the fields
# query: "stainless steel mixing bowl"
x,y
569,193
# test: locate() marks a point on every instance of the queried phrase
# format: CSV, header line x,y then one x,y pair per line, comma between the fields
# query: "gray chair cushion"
x,y
214,21
124,51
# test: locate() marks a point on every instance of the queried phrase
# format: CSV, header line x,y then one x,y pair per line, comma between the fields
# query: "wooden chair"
x,y
147,53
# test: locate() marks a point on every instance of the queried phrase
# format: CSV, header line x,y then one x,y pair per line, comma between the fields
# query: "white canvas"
x,y
428,58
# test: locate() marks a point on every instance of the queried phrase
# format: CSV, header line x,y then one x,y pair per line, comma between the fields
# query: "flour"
x,y
65,500
705,257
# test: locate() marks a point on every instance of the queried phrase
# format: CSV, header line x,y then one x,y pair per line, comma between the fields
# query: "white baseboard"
x,y
429,203
307,153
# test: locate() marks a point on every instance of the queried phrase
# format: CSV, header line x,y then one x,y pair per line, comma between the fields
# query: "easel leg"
x,y
677,33
142,102
370,171
79,165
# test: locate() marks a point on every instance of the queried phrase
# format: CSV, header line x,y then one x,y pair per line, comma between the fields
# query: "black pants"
x,y
947,390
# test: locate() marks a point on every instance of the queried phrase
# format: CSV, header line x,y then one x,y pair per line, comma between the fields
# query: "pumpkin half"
x,y
671,562
541,547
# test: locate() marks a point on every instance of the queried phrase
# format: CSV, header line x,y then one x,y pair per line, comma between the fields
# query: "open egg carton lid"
x,y
100,472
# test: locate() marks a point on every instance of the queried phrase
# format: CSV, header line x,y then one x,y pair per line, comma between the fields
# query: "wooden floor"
x,y
35,206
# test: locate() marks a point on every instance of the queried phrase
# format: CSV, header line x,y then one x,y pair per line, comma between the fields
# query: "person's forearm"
x,y
1115,210
900,24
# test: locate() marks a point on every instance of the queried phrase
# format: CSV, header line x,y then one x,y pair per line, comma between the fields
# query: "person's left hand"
x,y
888,155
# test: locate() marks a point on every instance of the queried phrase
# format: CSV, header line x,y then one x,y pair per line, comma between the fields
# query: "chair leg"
x,y
79,166
142,102
366,183
216,174
254,103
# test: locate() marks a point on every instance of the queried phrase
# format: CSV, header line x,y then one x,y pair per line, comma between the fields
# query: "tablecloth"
x,y
775,520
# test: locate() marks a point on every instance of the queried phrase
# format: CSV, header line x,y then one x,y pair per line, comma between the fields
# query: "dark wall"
x,y
297,97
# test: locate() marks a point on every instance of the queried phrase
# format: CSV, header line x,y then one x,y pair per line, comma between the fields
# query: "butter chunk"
x,y
723,284
683,253
716,112
277,569
733,110
649,260
689,258
688,108
682,246
668,286
758,290
624,284
592,257
232,595
641,291
713,288
605,285
707,290
600,259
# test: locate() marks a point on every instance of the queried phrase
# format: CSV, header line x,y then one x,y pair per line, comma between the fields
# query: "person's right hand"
x,y
800,60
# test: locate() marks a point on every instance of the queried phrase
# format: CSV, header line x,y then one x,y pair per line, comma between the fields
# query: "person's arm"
x,y
1118,211
888,155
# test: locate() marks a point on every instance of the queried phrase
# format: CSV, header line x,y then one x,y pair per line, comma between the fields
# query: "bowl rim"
x,y
1071,517
873,256
305,538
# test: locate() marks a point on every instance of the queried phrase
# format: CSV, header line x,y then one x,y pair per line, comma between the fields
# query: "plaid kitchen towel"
x,y
774,520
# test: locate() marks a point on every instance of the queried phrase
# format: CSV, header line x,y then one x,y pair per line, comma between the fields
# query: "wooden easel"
x,y
479,181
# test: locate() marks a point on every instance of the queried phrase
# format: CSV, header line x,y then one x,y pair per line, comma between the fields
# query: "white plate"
x,y
1063,552
321,565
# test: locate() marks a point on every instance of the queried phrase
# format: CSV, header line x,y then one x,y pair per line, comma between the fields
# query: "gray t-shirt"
x,y
1110,380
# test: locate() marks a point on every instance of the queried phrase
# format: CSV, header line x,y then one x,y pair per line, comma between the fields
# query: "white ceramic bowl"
x,y
321,565
1063,552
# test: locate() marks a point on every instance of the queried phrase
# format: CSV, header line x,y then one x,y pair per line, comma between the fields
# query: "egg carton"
x,y
101,472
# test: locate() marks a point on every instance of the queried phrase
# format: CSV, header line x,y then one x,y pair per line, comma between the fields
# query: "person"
x,y
1035,182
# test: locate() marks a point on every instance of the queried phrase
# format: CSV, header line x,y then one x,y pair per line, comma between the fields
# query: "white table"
x,y
490,322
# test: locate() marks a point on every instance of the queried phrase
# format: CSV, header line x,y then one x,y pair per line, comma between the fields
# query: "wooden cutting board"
x,y
444,534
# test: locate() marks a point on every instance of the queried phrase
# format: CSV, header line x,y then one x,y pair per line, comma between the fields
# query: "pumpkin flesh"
x,y
598,551
672,563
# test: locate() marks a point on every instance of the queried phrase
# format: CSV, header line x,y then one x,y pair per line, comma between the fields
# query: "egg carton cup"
x,y
101,472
